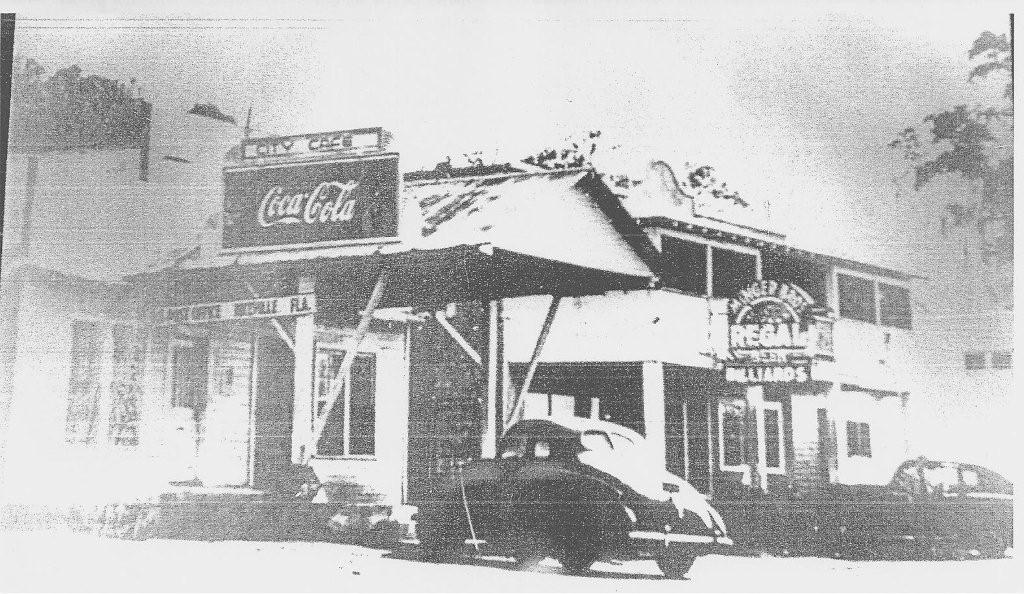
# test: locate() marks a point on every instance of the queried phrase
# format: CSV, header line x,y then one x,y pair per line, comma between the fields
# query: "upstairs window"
x,y
894,306
686,265
687,268
1002,359
731,271
858,439
856,298
974,360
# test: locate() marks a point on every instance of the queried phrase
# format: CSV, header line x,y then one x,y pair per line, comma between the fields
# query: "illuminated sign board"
x,y
771,334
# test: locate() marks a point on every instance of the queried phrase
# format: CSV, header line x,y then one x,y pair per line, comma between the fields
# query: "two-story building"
x,y
376,327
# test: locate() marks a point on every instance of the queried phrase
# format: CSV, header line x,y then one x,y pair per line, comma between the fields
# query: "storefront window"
x,y
773,455
730,427
351,426
857,298
686,265
894,306
858,439
126,387
84,385
731,271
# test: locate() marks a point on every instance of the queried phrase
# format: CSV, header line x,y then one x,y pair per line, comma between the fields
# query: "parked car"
x,y
576,490
930,506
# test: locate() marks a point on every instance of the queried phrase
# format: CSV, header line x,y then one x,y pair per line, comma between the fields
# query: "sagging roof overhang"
x,y
511,234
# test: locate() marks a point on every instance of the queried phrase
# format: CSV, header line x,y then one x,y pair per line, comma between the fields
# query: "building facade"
x,y
377,327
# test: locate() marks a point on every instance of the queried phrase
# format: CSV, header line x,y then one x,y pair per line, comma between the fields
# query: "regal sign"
x,y
248,309
309,203
771,333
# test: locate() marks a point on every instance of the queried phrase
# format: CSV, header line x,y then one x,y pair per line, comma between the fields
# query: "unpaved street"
x,y
74,561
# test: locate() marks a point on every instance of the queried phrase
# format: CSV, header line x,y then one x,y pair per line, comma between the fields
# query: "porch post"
x,y
302,405
654,407
489,439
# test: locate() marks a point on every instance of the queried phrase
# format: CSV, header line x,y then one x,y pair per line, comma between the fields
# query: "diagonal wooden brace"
x,y
351,350
287,338
516,411
459,339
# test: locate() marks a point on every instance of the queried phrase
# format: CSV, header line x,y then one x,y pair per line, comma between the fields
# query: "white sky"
x,y
791,107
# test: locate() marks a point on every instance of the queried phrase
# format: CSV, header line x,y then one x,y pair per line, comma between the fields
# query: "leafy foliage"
x,y
69,110
974,143
580,153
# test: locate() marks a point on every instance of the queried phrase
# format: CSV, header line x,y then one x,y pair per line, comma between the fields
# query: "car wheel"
x,y
438,536
675,564
992,546
578,557
529,548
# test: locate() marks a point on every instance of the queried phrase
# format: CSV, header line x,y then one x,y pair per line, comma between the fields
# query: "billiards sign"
x,y
329,201
771,334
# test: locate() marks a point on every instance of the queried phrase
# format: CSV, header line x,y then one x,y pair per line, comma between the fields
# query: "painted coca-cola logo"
x,y
328,202
335,201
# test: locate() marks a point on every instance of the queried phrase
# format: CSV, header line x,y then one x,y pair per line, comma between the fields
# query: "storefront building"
x,y
379,327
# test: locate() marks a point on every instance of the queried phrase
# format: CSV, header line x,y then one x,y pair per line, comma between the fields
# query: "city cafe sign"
x,y
341,141
331,201
771,333
248,309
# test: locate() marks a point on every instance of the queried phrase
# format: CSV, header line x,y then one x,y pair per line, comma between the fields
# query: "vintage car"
x,y
576,490
929,507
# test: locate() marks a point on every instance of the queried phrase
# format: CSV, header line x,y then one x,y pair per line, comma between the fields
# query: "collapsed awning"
x,y
560,232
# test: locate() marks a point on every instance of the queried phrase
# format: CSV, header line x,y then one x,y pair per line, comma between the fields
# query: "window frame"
x,y
743,465
708,264
858,423
1002,359
346,402
98,371
875,279
776,406
981,357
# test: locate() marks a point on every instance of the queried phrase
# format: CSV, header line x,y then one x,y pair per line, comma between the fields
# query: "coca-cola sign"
x,y
286,205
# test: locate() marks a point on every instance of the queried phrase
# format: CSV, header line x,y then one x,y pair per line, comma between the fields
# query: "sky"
x,y
792,108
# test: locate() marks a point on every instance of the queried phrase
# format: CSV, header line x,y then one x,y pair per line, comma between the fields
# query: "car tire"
x,y
675,564
578,557
530,547
438,535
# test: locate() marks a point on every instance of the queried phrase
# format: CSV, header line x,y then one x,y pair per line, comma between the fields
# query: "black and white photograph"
x,y
547,296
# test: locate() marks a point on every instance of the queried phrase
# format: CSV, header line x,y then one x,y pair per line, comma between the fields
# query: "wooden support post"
x,y
654,408
351,350
517,406
302,402
489,438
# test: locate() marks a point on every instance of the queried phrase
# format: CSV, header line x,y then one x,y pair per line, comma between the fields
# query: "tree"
x,y
974,143
69,110
581,153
